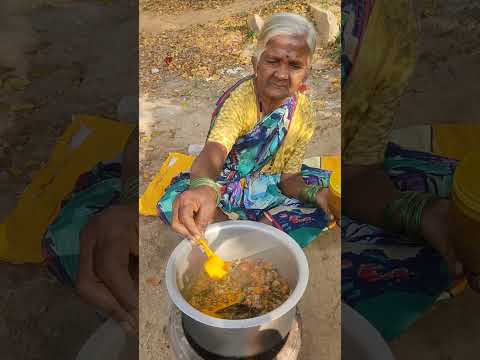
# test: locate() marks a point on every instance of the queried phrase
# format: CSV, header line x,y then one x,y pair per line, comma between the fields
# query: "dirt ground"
x,y
46,47
49,47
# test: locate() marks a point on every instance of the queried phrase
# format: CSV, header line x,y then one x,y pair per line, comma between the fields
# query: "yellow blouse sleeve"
x,y
294,162
371,96
230,123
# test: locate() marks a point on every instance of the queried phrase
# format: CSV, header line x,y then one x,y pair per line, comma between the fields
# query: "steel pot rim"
x,y
289,304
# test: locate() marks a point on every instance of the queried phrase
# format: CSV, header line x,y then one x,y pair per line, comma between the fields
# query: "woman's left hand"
x,y
322,202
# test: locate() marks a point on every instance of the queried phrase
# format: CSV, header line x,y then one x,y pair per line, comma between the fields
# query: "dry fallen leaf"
x,y
156,133
16,84
15,172
41,71
153,281
22,107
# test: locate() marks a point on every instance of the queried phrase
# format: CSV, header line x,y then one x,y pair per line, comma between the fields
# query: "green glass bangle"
x,y
404,214
204,181
309,193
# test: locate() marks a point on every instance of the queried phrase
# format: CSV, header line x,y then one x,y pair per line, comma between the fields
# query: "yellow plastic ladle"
x,y
215,267
231,300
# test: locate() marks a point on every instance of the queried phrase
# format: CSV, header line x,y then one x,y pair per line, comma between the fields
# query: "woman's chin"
x,y
276,93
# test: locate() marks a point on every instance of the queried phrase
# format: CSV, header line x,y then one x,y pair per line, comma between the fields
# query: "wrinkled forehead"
x,y
287,47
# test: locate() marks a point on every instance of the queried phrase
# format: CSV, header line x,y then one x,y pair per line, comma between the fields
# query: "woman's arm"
x,y
210,161
292,185
195,208
367,191
107,276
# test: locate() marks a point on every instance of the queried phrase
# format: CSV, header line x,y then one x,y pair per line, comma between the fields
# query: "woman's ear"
x,y
254,64
307,74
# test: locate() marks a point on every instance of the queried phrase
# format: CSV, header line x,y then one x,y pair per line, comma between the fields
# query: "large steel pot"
x,y
360,340
233,240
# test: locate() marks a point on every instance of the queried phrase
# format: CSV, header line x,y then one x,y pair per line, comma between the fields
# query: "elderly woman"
x,y
251,166
396,252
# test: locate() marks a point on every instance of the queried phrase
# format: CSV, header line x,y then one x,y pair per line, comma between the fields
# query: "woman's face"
x,y
283,67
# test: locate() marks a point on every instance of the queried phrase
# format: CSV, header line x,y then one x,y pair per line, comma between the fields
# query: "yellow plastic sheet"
x,y
87,141
175,164
455,140
331,163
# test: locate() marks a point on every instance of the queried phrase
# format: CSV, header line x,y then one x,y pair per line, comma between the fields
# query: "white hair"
x,y
286,24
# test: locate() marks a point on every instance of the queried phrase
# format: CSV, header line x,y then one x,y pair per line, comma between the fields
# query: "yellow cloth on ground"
x,y
175,164
239,115
455,140
326,162
385,61
86,142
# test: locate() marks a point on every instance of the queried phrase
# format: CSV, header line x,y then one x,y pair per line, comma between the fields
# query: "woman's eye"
x,y
296,66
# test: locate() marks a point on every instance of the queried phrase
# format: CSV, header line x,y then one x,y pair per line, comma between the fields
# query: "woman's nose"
x,y
282,72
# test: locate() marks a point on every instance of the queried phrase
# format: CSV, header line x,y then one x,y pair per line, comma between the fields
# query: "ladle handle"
x,y
203,244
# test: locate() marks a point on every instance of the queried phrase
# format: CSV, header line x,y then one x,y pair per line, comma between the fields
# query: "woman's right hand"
x,y
107,277
193,211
